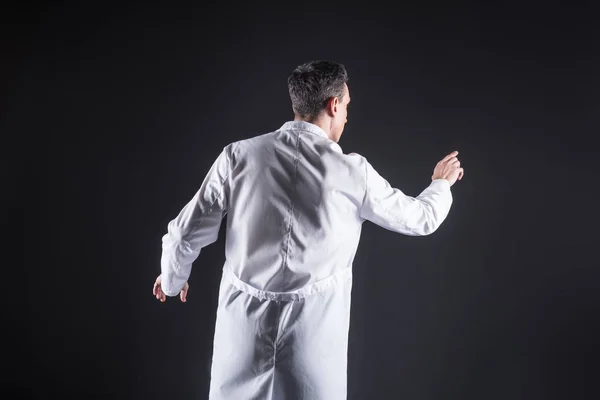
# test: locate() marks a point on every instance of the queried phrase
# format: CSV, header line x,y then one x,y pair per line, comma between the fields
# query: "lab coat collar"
x,y
304,126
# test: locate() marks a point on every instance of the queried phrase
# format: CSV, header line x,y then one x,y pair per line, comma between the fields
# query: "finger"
x,y
163,297
460,173
186,289
448,161
183,295
454,162
155,289
449,156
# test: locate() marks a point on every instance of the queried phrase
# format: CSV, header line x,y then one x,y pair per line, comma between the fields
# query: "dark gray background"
x,y
121,109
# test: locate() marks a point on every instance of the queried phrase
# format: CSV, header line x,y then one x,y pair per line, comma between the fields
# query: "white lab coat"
x,y
295,204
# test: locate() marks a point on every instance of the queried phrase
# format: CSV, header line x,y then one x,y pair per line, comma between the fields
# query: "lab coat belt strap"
x,y
295,295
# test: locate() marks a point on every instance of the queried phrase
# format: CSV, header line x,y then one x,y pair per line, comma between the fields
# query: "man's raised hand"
x,y
448,168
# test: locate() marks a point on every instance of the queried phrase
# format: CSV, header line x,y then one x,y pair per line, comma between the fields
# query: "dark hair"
x,y
312,84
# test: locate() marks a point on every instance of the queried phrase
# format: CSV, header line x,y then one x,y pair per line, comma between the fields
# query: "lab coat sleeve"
x,y
196,226
390,208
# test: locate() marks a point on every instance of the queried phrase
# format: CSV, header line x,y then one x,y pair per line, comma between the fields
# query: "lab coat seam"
x,y
366,189
291,209
278,304
282,320
311,132
176,263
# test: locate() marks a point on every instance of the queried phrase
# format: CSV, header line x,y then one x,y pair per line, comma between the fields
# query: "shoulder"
x,y
358,159
252,140
243,147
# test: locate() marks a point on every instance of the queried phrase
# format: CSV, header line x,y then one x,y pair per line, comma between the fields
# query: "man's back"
x,y
293,207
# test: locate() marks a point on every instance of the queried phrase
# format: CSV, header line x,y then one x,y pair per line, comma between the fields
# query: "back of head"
x,y
312,84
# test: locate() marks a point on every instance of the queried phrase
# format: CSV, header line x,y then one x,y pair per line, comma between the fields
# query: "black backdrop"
x,y
120,109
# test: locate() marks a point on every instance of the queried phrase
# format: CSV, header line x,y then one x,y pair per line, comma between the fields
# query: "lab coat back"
x,y
293,209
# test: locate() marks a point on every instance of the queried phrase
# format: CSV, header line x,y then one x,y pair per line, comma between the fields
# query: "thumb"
x,y
183,294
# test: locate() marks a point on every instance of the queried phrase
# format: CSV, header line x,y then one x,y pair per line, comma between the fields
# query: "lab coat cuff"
x,y
441,184
167,286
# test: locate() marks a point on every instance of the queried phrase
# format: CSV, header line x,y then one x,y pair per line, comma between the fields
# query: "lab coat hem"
x,y
295,295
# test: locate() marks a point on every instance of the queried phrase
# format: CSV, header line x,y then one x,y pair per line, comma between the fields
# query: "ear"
x,y
332,106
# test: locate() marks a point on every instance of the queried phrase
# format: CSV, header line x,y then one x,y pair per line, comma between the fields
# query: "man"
x,y
295,204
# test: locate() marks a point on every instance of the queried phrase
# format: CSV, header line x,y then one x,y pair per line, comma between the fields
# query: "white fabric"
x,y
295,205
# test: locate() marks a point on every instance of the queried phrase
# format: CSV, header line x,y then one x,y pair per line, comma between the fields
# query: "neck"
x,y
321,121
